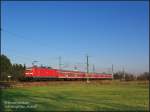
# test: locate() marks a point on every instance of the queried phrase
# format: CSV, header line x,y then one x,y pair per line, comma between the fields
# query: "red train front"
x,y
43,72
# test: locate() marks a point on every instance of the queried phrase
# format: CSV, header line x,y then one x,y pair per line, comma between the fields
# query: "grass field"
x,y
78,96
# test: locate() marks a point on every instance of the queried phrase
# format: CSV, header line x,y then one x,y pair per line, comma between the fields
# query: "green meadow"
x,y
77,96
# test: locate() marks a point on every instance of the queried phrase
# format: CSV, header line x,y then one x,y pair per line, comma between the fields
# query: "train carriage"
x,y
43,72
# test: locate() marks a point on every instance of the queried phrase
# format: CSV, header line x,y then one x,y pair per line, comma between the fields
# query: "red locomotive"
x,y
43,72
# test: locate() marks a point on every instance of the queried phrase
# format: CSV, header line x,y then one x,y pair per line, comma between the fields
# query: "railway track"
x,y
4,85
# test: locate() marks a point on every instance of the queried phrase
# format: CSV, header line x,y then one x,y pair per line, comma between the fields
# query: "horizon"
x,y
109,32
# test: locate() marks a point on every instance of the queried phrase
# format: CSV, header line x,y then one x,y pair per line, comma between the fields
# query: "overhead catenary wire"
x,y
25,40
19,36
33,42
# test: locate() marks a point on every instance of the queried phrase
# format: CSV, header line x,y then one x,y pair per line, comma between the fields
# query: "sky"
x,y
109,32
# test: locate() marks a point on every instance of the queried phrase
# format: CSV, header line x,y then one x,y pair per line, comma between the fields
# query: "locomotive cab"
x,y
28,72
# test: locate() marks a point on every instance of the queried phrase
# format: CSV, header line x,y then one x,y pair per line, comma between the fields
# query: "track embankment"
x,y
14,84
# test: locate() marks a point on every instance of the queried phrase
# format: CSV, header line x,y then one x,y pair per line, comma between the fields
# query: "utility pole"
x,y
112,72
93,68
75,68
123,74
87,64
59,62
24,66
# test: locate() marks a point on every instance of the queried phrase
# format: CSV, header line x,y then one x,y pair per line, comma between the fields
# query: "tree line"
x,y
16,71
128,76
10,71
